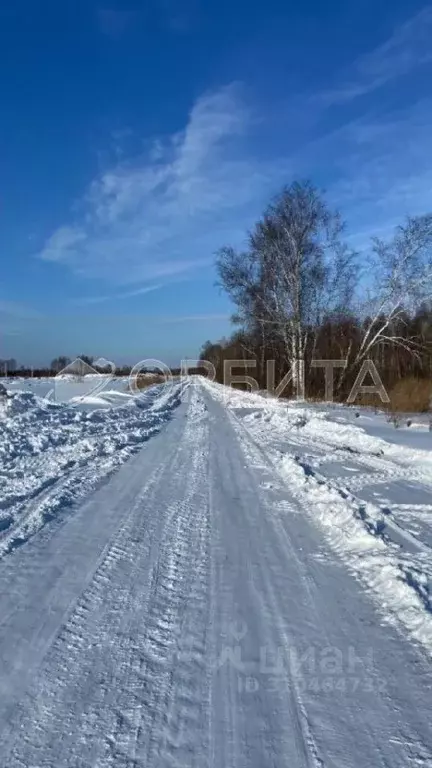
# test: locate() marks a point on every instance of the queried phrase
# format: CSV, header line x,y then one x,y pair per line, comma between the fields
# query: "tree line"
x,y
301,294
78,366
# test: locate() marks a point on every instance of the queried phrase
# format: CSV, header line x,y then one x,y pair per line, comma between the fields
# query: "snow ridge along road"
x,y
52,454
190,612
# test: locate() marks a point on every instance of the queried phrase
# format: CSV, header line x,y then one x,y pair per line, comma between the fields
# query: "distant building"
x,y
8,366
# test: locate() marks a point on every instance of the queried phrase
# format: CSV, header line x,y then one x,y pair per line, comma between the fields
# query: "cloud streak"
x,y
159,217
192,318
88,300
163,215
408,48
379,169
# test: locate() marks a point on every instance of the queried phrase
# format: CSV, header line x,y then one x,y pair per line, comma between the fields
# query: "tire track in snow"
x,y
413,750
308,752
135,680
179,706
118,555
334,508
74,650
264,625
127,634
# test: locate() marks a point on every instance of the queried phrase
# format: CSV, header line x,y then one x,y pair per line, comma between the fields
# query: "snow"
x,y
65,388
333,467
251,588
51,454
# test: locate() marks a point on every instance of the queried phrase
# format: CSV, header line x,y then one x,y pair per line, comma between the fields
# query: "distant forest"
x,y
301,293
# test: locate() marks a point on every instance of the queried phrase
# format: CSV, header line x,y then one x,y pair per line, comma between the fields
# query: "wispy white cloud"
x,y
160,217
141,291
380,169
375,168
408,48
192,318
115,297
65,239
164,214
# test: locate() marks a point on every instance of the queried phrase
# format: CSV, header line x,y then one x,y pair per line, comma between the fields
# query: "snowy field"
x,y
89,391
55,452
204,578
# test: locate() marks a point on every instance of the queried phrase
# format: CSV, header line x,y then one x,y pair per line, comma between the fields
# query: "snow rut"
x,y
353,530
296,614
297,731
172,666
134,644
179,634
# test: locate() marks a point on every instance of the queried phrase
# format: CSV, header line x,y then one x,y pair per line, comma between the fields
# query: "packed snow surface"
x,y
202,577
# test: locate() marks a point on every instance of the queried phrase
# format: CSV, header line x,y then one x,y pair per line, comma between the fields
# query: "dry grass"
x,y
143,381
411,396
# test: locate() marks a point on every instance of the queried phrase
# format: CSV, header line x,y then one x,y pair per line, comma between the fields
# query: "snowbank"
x,y
330,465
51,454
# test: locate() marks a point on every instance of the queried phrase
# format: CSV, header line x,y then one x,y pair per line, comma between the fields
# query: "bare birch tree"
x,y
295,271
402,280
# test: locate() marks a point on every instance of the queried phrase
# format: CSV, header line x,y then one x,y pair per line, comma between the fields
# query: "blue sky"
x,y
138,137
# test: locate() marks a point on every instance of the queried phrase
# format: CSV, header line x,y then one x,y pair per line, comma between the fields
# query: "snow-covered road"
x,y
230,597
